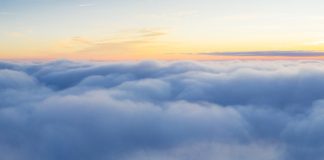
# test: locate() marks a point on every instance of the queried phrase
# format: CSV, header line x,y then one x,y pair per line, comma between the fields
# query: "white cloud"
x,y
227,110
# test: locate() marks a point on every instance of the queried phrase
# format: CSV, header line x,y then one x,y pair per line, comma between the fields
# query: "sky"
x,y
160,29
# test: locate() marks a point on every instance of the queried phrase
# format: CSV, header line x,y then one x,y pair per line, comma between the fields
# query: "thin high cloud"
x,y
269,53
270,110
128,42
4,13
86,5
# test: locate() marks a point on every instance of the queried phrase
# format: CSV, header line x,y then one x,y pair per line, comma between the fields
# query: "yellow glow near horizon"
x,y
166,30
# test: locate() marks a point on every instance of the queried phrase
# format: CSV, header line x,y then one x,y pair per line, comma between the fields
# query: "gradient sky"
x,y
157,29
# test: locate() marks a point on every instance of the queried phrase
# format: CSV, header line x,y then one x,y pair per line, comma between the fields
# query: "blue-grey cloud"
x,y
269,53
227,110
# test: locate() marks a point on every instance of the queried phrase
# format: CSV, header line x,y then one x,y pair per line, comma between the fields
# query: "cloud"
x,y
5,13
315,43
128,42
227,110
151,33
269,53
15,34
169,16
86,5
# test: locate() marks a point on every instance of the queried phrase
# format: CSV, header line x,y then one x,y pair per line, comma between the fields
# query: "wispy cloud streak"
x,y
269,53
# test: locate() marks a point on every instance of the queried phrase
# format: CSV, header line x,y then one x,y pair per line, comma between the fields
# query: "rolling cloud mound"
x,y
224,110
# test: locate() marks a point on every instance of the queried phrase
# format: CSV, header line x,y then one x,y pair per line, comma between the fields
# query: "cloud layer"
x,y
269,53
229,110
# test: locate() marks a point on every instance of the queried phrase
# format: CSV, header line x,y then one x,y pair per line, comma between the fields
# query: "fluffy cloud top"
x,y
229,110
